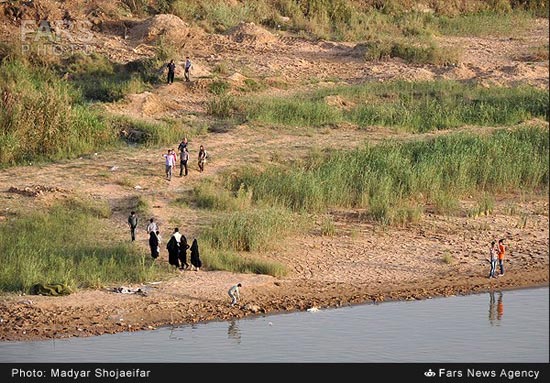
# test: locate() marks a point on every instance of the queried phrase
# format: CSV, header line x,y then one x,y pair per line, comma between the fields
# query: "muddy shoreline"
x,y
29,318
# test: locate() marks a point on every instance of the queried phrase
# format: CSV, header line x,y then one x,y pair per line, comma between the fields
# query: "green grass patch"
x,y
41,118
219,87
328,228
223,106
447,258
210,195
148,133
102,80
68,244
485,206
216,259
382,178
484,24
362,20
412,50
250,230
410,106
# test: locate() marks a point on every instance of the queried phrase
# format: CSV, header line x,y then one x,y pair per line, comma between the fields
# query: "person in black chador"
x,y
183,253
171,71
173,251
154,244
195,257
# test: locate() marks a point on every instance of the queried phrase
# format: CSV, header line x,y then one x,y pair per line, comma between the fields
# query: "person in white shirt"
x,y
493,256
234,293
170,162
152,226
177,235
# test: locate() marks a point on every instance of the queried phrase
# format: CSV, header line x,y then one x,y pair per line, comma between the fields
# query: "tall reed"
x,y
382,178
68,244
410,106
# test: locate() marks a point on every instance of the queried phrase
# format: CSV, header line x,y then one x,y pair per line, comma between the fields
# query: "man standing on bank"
x,y
184,156
132,223
187,68
171,71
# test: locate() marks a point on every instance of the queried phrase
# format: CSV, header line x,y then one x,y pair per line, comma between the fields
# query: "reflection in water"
x,y
173,334
233,331
496,308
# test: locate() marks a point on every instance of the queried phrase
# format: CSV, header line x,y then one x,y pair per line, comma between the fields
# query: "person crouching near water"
x,y
234,294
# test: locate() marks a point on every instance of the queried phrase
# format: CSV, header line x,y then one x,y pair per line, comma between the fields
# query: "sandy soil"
x,y
360,263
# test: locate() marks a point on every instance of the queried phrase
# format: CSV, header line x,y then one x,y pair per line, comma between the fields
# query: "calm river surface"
x,y
507,326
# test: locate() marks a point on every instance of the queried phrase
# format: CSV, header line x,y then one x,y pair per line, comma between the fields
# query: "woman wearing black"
x,y
195,257
154,244
173,250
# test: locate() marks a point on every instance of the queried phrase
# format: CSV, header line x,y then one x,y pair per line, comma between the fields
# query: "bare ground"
x,y
360,263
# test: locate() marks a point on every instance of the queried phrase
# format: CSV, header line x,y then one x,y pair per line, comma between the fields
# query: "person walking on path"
x,y
154,244
171,71
195,256
159,238
152,226
173,250
187,69
183,144
184,155
182,256
234,293
501,252
177,234
169,164
203,155
184,158
493,256
132,223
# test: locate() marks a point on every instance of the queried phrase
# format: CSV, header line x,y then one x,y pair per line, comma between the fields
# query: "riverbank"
x,y
391,264
347,256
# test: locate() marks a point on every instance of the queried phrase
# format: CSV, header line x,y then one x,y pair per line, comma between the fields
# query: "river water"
x,y
503,326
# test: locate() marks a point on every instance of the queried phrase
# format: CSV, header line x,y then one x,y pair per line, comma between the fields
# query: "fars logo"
x,y
429,373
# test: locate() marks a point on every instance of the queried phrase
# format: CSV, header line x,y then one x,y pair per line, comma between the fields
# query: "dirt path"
x,y
360,263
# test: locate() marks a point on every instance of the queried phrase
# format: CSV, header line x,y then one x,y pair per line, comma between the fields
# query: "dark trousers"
x,y
183,166
183,259
501,266
186,73
133,232
170,77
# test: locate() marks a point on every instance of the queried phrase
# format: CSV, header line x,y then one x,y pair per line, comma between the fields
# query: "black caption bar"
x,y
243,372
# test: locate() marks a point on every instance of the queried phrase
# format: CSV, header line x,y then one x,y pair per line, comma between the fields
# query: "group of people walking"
x,y
177,252
171,159
496,253
177,245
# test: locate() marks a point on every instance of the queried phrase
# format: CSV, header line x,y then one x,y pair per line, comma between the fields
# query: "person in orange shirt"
x,y
501,251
